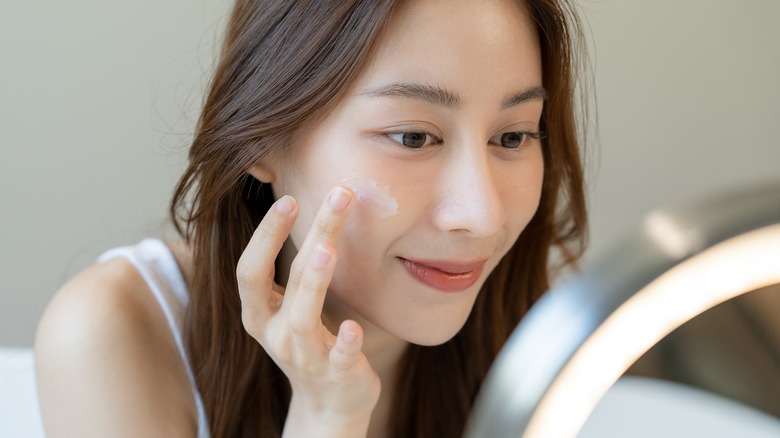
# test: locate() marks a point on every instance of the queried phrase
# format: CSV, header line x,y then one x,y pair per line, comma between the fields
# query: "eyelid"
x,y
414,126
435,139
529,134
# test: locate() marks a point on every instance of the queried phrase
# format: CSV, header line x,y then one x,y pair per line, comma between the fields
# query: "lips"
x,y
445,275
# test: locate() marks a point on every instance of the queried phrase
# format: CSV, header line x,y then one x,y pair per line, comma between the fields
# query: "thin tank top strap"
x,y
158,267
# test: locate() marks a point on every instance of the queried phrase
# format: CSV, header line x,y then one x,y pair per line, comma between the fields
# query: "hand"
x,y
334,387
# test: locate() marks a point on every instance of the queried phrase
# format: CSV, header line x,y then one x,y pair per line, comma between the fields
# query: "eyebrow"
x,y
428,93
527,95
441,96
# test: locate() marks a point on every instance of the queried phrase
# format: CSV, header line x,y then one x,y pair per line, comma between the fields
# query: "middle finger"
x,y
327,226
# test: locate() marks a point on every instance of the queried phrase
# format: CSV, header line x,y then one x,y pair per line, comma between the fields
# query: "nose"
x,y
469,200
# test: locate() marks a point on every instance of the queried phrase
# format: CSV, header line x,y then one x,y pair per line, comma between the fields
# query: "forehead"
x,y
478,48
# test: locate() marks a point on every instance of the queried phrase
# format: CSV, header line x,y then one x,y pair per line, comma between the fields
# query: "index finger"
x,y
327,226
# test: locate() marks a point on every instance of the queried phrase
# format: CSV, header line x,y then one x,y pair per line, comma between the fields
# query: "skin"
x,y
462,197
339,323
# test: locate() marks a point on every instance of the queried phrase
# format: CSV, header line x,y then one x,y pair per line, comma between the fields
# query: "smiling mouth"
x,y
443,275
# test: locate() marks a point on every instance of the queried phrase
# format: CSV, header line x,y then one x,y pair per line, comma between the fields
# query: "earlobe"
x,y
262,173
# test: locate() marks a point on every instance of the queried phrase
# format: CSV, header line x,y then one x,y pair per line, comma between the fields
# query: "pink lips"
x,y
446,276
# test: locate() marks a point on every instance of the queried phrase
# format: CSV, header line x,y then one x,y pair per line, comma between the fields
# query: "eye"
x,y
515,139
413,140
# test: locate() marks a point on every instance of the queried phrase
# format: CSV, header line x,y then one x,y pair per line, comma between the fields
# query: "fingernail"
x,y
320,257
339,199
285,204
349,336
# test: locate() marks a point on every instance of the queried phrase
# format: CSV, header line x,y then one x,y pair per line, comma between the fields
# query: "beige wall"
x,y
689,104
97,102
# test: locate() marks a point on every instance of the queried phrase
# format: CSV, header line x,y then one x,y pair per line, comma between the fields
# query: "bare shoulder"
x,y
106,362
110,295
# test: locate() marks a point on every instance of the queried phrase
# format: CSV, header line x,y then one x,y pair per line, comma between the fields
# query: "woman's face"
x,y
433,139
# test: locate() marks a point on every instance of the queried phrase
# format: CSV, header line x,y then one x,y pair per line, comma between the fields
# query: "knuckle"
x,y
246,273
327,227
251,322
311,283
296,271
300,327
341,360
264,233
278,350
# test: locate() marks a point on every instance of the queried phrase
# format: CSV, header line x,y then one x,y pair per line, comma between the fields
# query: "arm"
x,y
106,364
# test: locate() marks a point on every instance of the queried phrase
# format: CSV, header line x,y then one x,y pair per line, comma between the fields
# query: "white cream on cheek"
x,y
373,197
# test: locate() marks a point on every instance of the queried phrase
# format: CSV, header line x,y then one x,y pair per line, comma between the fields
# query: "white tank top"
x,y
156,264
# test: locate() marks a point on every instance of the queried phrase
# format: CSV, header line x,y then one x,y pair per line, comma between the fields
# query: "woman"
x,y
373,195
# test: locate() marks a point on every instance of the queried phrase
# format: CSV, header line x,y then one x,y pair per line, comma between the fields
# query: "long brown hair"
x,y
284,64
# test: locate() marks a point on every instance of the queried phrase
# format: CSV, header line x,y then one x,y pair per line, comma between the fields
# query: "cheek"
x,y
382,215
309,202
309,175
372,198
309,192
371,226
374,205
522,197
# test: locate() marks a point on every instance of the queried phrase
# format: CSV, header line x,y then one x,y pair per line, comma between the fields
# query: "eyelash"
x,y
526,136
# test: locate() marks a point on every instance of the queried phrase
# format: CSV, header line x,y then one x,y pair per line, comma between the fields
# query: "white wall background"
x,y
98,99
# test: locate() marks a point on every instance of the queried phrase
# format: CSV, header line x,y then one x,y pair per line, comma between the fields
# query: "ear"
x,y
262,173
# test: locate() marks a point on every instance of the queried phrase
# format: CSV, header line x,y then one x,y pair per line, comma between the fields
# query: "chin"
x,y
428,340
434,325
432,336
